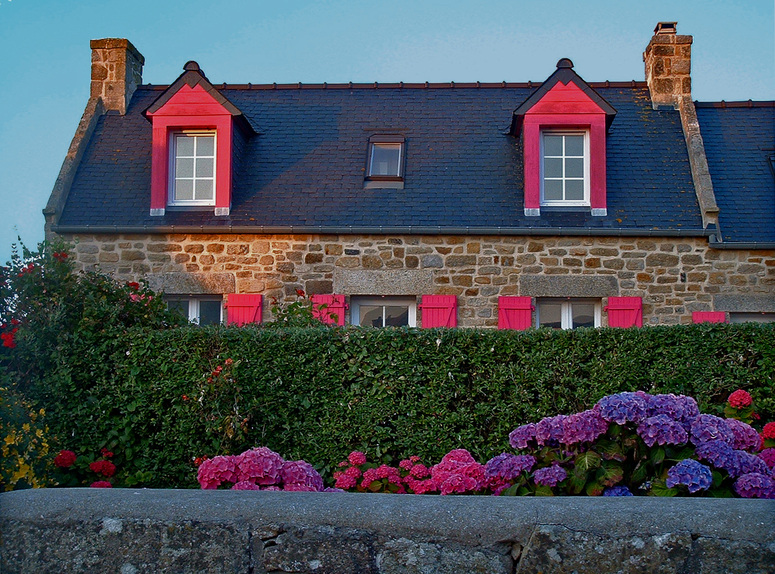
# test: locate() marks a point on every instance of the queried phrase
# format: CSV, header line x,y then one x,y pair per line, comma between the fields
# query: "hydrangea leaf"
x,y
659,488
611,473
594,489
610,450
544,490
587,461
657,456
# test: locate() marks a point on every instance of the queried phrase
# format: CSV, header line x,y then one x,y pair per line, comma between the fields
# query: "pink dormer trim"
x,y
565,107
191,109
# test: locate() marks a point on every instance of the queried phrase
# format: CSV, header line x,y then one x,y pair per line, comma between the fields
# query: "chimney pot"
x,y
666,28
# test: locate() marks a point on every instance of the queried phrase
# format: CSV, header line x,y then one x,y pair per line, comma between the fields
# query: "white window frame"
x,y
171,200
385,301
566,312
586,201
194,314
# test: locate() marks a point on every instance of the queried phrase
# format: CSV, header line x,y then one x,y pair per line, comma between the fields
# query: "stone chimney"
x,y
116,71
668,59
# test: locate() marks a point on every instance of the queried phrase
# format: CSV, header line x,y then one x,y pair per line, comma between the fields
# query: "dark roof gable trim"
x,y
564,74
382,230
191,77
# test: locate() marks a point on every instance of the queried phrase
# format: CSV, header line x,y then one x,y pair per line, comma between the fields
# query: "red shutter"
x,y
709,317
515,313
438,311
625,312
243,308
329,308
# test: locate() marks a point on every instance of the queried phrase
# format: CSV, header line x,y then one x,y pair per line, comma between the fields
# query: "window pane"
x,y
396,316
553,145
184,146
574,145
574,189
550,315
184,189
553,167
553,189
371,316
384,159
184,167
209,312
583,314
204,167
752,317
204,189
205,145
574,167
180,307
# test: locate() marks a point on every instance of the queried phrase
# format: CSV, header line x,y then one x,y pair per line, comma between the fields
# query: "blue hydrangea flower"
x,y
661,429
623,407
717,452
549,429
678,407
617,491
550,475
745,463
692,474
508,466
755,485
585,426
710,427
521,437
745,436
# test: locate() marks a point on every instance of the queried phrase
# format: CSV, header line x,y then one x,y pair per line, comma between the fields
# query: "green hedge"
x,y
319,393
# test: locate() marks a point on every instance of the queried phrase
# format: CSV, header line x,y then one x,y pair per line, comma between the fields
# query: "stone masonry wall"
x,y
674,276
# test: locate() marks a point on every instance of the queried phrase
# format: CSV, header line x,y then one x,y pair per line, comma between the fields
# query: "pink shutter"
x,y
515,313
243,308
709,317
438,311
329,308
625,312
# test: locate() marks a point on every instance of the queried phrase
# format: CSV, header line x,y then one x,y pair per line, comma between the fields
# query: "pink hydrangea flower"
x,y
215,471
740,399
345,482
260,466
420,471
300,475
101,484
357,458
245,485
768,456
353,472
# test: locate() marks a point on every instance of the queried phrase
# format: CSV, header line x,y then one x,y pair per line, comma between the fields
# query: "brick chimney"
x,y
116,71
668,59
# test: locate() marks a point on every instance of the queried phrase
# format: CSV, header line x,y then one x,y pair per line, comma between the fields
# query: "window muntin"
x,y
564,168
383,311
200,311
192,158
568,313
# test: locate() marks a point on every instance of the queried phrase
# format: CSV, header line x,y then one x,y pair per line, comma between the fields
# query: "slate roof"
x,y
306,165
739,140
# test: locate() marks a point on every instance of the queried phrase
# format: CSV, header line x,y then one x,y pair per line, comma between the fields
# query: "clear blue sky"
x,y
45,56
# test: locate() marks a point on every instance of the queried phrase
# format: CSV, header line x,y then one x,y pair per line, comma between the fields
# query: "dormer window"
x,y
565,165
385,162
192,169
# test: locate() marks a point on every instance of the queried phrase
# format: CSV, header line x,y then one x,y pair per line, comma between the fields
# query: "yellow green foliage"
x,y
24,448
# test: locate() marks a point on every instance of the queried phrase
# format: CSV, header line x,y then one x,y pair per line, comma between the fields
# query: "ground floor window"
x,y
383,311
568,313
752,317
198,310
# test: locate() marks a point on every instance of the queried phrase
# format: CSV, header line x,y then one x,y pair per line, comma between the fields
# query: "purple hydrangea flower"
x,y
550,475
745,436
549,429
661,429
508,466
585,426
755,485
678,407
692,474
521,436
717,452
710,427
623,407
617,491
301,475
745,463
768,456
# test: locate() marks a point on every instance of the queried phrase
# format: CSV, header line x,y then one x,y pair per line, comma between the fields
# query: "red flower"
x,y
199,460
185,398
65,459
106,453
134,285
300,292
740,399
768,431
101,484
60,255
103,467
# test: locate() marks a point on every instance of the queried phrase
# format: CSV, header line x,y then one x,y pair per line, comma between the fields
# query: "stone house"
x,y
508,205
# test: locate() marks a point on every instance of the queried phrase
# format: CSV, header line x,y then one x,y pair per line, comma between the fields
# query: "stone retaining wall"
x,y
132,531
674,276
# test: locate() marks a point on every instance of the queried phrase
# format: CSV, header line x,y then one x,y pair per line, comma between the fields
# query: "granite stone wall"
x,y
136,531
674,276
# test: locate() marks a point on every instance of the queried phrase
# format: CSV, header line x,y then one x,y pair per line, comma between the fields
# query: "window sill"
x,y
383,184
